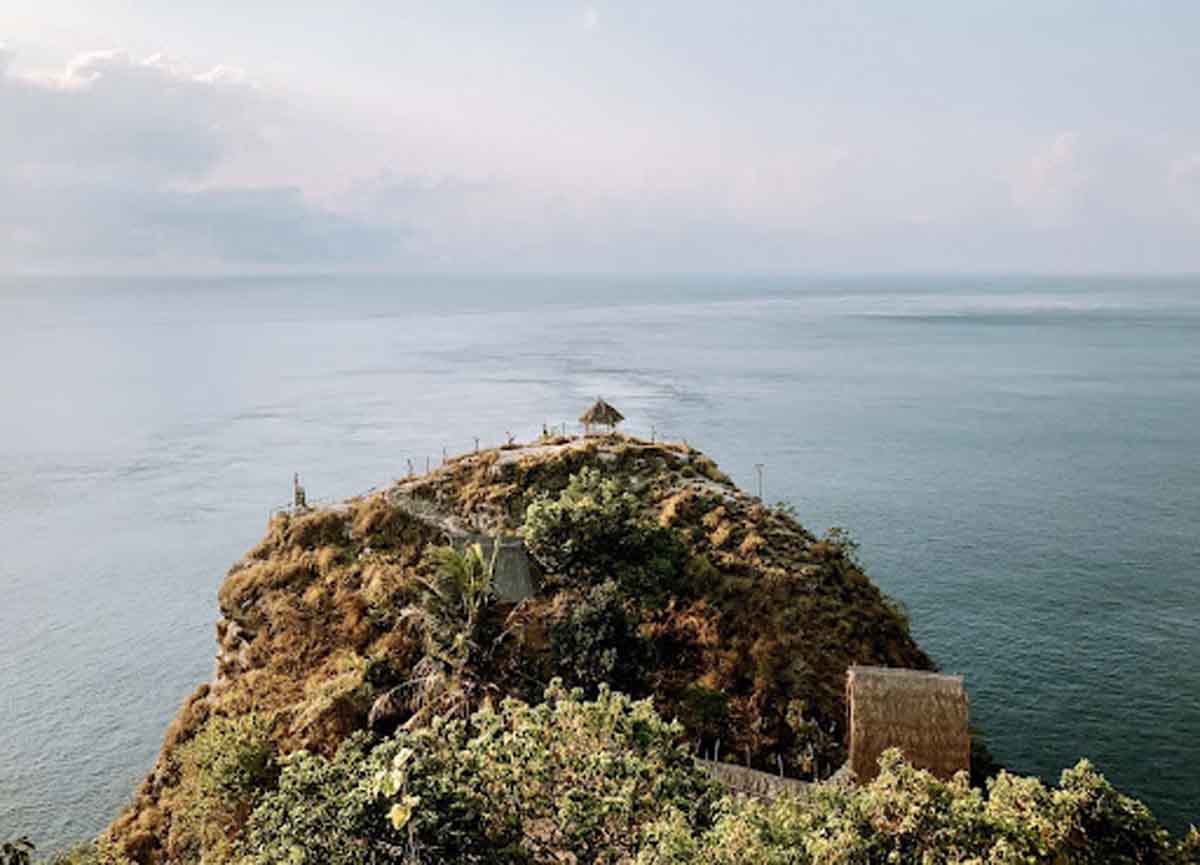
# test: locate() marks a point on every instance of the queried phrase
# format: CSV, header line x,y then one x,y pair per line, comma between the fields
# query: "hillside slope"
x,y
730,614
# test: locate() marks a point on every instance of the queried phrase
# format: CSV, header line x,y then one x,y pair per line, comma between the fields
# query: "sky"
x,y
760,137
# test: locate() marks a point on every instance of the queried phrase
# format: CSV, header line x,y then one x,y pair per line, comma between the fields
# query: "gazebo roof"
x,y
602,413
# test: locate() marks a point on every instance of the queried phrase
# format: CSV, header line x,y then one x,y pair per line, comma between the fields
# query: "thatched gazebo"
x,y
923,714
601,414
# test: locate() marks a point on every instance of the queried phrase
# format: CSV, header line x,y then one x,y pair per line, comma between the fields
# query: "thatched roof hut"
x,y
923,714
601,414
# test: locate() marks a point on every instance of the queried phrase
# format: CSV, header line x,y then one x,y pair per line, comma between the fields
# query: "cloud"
x,y
1184,181
1052,179
112,162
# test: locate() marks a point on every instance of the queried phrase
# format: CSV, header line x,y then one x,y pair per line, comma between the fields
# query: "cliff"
x,y
731,615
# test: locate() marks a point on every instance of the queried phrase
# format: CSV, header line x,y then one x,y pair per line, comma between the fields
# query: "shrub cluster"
x,y
606,781
908,817
597,642
596,530
517,784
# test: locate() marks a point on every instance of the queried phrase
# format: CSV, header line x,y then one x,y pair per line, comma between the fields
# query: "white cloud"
x,y
110,162
1184,180
1050,181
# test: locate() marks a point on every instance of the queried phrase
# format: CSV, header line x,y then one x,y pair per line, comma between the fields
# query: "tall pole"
x,y
758,468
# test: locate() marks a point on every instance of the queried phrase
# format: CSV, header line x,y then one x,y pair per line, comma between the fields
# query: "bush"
x,y
598,643
908,816
331,811
595,530
223,773
520,784
573,776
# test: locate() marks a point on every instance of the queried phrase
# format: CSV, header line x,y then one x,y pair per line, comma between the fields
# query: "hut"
x,y
922,714
601,414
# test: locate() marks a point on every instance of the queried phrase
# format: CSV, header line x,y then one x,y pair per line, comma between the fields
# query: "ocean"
x,y
1019,458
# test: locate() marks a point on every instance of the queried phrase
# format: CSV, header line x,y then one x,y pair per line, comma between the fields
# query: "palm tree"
x,y
448,615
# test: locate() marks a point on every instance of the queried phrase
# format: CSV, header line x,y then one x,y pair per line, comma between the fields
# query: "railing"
x,y
752,782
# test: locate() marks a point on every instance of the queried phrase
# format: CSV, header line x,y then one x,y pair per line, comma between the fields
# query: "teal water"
x,y
1019,457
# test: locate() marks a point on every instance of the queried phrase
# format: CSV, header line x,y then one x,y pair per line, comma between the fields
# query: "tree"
x,y
449,617
595,529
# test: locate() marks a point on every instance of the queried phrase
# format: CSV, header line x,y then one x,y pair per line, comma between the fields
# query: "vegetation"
x,y
505,739
18,852
597,642
518,784
907,816
608,781
595,530
449,616
223,771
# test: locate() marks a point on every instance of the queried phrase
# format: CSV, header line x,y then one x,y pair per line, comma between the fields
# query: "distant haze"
x,y
537,136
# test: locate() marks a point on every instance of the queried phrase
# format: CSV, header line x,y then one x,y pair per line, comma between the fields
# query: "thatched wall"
x,y
922,714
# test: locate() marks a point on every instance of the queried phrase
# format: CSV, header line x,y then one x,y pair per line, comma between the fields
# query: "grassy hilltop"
x,y
375,701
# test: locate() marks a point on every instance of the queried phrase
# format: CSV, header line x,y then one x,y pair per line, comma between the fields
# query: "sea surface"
x,y
1019,458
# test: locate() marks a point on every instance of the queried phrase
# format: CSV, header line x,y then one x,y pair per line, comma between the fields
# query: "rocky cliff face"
x,y
749,647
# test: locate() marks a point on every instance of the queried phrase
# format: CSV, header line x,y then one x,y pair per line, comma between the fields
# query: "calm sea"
x,y
1019,457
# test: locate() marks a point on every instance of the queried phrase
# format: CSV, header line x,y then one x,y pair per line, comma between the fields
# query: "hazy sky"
x,y
538,136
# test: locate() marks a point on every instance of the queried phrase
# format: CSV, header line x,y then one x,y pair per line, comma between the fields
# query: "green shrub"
x,y
908,816
223,773
598,643
816,751
333,811
517,784
596,530
705,712
572,775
